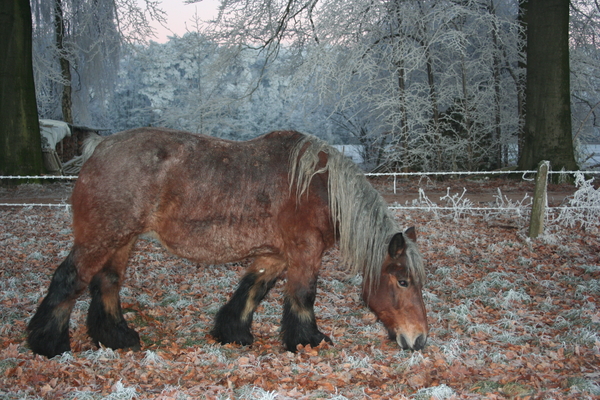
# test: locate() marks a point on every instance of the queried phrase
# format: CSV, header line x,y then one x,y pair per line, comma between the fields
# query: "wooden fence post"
x,y
540,200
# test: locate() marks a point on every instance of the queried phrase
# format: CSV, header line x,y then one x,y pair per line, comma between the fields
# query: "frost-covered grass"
x,y
498,304
441,392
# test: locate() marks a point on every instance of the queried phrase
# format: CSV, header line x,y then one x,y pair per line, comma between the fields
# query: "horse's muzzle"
x,y
415,344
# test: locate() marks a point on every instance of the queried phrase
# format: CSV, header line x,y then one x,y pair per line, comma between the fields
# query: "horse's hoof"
x,y
317,339
122,337
135,347
48,344
314,340
241,338
49,351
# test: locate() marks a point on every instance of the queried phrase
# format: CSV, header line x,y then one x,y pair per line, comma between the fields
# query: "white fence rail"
x,y
587,203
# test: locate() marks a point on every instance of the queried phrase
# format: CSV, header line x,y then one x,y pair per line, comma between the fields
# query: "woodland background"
x,y
428,85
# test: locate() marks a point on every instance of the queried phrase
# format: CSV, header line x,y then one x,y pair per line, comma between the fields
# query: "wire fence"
x,y
456,204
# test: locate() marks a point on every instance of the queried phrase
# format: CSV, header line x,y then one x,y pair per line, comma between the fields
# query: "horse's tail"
x,y
89,145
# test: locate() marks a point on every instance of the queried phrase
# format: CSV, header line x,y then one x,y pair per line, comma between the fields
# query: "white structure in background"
x,y
54,132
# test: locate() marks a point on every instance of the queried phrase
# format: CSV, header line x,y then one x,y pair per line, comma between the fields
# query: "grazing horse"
x,y
281,199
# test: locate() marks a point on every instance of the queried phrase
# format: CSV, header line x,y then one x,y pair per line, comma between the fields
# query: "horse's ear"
x,y
397,245
411,233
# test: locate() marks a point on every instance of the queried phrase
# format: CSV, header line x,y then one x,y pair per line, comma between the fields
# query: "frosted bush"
x,y
583,209
426,204
458,203
503,204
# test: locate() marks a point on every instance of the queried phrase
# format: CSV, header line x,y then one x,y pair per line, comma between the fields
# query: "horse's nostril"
x,y
420,342
403,343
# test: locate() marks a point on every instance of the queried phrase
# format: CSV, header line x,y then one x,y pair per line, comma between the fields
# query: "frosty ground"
x,y
510,317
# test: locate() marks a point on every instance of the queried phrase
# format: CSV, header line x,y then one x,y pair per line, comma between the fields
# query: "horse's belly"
x,y
217,244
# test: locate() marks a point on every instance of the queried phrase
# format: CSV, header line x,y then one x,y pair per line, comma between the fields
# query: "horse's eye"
x,y
403,283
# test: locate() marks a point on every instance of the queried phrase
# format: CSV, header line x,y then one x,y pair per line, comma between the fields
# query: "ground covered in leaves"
x,y
510,317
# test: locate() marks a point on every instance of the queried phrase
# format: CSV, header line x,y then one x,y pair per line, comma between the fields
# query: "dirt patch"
x,y
48,193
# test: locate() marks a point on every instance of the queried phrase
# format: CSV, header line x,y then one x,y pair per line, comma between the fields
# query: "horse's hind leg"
x,y
49,327
234,319
299,324
105,321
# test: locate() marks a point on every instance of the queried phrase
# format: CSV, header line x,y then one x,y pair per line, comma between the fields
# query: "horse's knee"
x,y
66,283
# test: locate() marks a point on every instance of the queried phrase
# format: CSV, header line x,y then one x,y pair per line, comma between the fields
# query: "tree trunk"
x,y
520,81
547,133
65,65
404,134
20,141
497,135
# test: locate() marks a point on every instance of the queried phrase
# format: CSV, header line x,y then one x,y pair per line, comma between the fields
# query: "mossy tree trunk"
x,y
547,133
20,142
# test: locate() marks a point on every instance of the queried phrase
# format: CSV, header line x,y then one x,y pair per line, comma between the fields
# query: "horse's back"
x,y
189,189
147,157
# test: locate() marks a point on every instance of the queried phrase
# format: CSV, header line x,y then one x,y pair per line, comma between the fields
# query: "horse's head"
x,y
396,299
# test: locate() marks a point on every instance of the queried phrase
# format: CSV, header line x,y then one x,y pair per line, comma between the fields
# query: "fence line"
x,y
525,172
65,205
392,207
442,173
72,177
449,173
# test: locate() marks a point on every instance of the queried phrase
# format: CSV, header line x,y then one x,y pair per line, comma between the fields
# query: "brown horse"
x,y
281,199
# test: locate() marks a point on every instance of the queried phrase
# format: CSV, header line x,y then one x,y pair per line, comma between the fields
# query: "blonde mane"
x,y
365,225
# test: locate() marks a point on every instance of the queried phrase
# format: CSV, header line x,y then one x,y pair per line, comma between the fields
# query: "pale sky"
x,y
180,17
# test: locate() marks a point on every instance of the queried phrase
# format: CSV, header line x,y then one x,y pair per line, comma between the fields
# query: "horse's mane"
x,y
89,145
365,226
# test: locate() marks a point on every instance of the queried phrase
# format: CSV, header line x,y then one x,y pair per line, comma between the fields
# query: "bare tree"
x,y
395,68
76,52
585,77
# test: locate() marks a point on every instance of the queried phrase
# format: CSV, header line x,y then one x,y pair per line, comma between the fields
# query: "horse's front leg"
x,y
234,319
49,327
299,324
